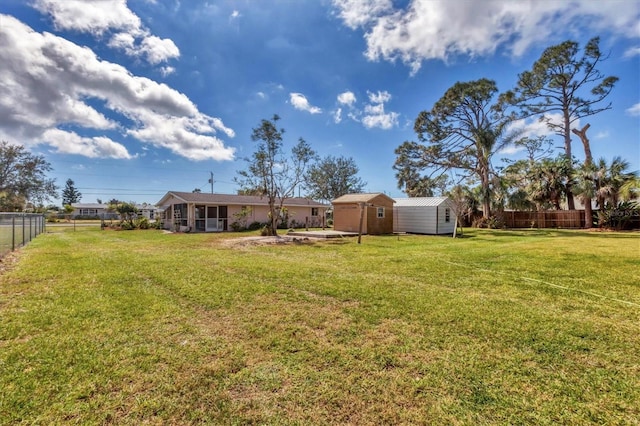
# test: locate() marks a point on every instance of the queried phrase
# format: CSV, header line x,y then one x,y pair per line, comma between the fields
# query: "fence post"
x,y
13,233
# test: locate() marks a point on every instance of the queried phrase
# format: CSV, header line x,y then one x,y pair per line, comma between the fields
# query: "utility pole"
x,y
211,181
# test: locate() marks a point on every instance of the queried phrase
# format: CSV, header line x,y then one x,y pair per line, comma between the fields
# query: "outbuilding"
x,y
374,210
424,215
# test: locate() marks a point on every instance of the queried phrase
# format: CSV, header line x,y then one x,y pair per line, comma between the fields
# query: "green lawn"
x,y
498,327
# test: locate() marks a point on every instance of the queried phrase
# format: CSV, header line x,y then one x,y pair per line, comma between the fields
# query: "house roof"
x,y
245,200
420,201
359,198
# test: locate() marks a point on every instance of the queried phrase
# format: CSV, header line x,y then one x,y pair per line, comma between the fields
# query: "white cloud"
x,y
511,150
235,15
300,102
98,17
165,71
634,111
440,29
539,127
53,82
357,13
375,114
95,147
337,116
632,51
347,98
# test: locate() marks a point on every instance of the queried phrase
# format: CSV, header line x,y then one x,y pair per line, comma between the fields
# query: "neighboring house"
x,y
202,212
92,210
148,211
102,211
375,210
424,215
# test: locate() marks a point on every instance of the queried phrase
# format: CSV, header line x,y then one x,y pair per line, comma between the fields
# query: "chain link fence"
x,y
17,229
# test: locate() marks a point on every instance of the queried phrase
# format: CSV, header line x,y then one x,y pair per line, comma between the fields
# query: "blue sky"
x,y
131,99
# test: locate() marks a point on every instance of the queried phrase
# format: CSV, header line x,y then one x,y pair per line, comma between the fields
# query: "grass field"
x,y
498,327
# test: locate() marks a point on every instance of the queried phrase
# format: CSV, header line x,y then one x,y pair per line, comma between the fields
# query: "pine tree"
x,y
70,194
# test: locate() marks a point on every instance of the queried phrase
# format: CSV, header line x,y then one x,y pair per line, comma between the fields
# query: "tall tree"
x,y
462,131
271,171
23,178
332,177
70,193
565,82
408,167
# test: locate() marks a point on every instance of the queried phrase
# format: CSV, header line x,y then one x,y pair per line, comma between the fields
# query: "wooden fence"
x,y
545,219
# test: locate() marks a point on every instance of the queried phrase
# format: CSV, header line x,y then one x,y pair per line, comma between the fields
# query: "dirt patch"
x,y
9,261
261,241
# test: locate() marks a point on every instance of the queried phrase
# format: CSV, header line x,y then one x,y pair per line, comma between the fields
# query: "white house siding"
x,y
424,215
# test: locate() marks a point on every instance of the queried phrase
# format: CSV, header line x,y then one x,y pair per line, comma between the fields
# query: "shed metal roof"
x,y
420,201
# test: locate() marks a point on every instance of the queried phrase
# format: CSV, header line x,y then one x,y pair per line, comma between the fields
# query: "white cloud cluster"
x,y
439,29
375,114
634,110
300,102
533,129
347,98
51,85
98,17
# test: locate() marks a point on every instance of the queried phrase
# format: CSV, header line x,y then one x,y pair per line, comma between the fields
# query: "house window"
x,y
447,215
314,211
380,212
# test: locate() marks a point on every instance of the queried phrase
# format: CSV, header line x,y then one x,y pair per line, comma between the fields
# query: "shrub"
x,y
493,222
254,226
619,216
266,231
236,226
142,223
127,226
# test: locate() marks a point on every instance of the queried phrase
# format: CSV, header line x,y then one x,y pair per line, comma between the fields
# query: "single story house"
x,y
375,210
424,215
90,210
200,212
104,211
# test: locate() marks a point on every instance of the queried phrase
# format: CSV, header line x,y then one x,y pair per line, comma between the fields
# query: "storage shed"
x,y
375,209
424,215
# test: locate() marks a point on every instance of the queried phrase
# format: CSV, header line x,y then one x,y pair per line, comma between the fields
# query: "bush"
x,y
619,217
127,226
493,222
142,223
254,226
265,231
236,226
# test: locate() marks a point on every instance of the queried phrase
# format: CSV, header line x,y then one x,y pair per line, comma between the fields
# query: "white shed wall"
x,y
423,220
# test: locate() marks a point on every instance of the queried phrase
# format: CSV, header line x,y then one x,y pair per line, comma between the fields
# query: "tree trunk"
x,y
588,161
567,152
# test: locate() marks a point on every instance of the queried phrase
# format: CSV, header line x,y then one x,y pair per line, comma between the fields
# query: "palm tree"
x,y
630,190
585,189
610,179
549,181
